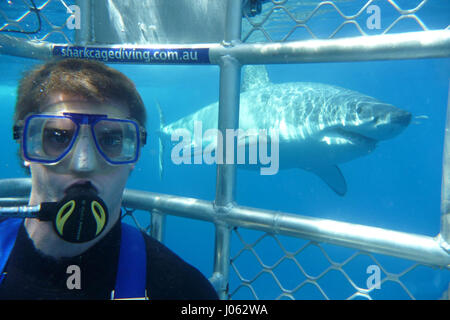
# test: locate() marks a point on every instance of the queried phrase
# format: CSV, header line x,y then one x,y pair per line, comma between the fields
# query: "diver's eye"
x,y
57,137
111,143
111,139
55,141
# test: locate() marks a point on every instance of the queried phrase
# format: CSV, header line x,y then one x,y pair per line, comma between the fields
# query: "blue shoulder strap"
x,y
8,234
132,270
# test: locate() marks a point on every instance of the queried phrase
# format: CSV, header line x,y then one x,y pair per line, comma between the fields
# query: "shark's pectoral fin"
x,y
333,177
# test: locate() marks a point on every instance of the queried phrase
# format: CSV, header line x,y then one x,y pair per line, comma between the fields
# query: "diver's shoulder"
x,y
160,253
170,277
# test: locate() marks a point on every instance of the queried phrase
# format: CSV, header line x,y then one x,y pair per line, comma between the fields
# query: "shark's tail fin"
x,y
161,145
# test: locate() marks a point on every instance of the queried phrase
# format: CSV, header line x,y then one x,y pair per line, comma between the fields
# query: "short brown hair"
x,y
90,80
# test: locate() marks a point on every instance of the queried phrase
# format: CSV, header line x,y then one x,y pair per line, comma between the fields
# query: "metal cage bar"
x,y
83,36
445,197
157,224
228,118
409,45
423,249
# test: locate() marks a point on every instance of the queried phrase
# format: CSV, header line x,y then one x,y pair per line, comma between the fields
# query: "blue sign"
x,y
135,55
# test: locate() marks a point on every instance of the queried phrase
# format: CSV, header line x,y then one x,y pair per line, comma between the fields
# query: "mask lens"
x,y
48,138
117,140
57,136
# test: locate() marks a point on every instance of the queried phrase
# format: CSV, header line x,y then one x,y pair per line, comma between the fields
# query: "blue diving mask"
x,y
49,138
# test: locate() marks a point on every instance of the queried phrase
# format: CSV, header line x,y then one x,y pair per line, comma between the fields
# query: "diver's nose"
x,y
84,156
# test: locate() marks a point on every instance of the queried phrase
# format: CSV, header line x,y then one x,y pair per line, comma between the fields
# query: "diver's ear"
x,y
26,164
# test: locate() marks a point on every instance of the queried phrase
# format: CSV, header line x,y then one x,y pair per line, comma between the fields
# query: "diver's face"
x,y
83,163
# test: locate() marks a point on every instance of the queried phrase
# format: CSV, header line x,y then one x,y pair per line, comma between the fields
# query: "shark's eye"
x,y
359,110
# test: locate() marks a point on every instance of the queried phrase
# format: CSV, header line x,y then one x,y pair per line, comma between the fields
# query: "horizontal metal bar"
x,y
16,187
13,202
414,247
423,249
20,47
410,45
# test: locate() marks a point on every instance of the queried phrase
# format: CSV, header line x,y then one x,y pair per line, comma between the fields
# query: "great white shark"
x,y
319,125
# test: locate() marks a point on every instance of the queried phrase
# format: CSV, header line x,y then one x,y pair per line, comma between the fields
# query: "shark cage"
x,y
231,34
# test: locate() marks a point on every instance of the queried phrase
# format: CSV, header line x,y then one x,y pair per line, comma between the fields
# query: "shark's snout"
x,y
380,121
401,118
390,122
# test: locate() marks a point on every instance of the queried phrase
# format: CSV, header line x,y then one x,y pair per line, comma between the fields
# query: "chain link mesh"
x,y
37,20
285,20
279,20
273,267
268,266
141,219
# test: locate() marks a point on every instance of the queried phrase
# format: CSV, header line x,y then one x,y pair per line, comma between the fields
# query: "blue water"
x,y
397,187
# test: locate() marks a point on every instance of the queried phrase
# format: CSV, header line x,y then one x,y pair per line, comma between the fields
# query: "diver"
x,y
81,126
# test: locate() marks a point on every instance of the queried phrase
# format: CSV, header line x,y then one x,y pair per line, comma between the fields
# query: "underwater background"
x,y
396,187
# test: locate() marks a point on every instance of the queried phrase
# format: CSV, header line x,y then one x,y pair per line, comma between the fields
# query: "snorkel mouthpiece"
x,y
81,215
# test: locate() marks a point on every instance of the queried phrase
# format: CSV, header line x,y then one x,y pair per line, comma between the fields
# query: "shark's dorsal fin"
x,y
254,77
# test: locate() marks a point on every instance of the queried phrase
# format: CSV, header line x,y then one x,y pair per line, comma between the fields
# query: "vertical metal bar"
x,y
233,22
158,220
228,102
230,72
445,192
83,36
228,119
219,278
